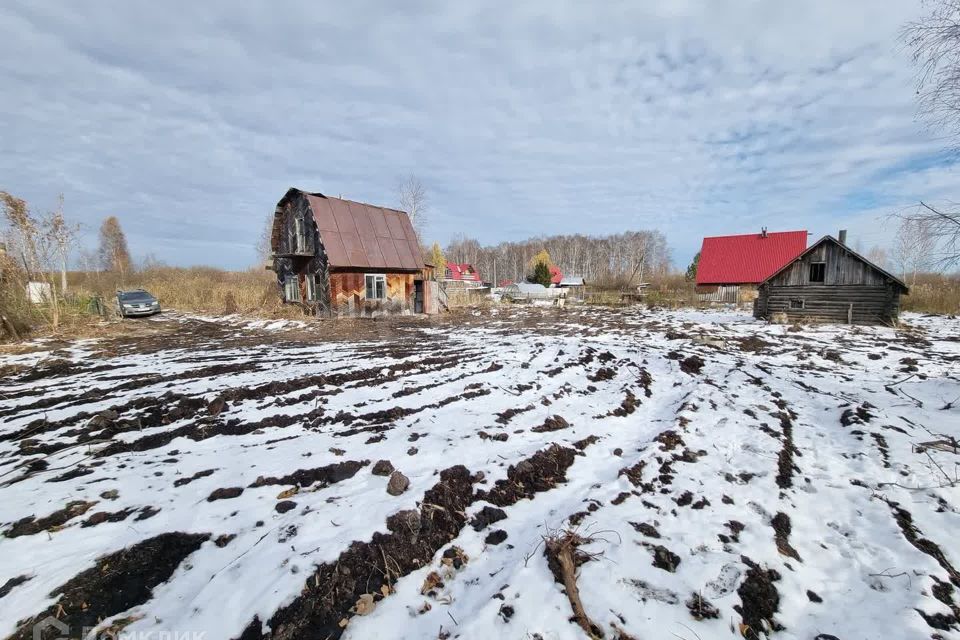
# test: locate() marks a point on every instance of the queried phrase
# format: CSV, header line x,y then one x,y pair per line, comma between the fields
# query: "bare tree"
x,y
913,247
878,256
936,229
934,42
264,244
413,200
114,254
65,236
615,260
40,242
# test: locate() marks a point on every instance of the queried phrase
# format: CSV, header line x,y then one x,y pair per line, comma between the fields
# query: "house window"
x,y
376,287
299,238
311,286
291,289
796,303
818,271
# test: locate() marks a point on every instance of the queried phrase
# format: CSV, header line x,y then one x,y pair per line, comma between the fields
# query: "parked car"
x,y
136,303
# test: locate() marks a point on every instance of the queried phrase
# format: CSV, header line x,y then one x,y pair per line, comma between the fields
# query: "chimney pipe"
x,y
842,237
763,232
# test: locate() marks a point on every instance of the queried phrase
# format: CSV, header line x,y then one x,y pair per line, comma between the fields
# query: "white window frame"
x,y
300,237
291,284
378,283
311,280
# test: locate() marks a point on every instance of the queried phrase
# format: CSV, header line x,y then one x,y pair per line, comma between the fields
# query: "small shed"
x,y
829,282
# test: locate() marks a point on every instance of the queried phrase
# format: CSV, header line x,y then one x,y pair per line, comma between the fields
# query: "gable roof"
x,y
829,238
747,259
360,235
463,271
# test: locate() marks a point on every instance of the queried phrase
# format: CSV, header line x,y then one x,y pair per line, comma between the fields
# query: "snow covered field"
x,y
709,475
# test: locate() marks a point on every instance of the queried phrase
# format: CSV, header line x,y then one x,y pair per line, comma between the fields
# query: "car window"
x,y
136,296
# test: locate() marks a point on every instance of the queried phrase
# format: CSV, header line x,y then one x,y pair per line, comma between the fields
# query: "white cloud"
x,y
189,122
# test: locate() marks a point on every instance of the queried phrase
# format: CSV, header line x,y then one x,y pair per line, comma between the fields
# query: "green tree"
x,y
692,269
541,274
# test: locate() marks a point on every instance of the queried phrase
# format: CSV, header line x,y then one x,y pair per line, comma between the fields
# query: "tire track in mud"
x,y
327,601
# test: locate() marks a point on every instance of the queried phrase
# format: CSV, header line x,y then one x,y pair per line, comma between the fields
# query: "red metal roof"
x,y
462,271
747,259
555,274
360,235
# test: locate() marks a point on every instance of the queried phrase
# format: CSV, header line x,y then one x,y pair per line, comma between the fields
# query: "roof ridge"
x,y
758,233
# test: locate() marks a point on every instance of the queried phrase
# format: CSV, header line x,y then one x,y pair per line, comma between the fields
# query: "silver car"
x,y
136,303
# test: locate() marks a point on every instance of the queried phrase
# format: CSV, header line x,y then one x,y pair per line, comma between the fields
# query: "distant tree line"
x,y
619,259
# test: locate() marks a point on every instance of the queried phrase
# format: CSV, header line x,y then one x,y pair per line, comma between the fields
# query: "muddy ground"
x,y
696,473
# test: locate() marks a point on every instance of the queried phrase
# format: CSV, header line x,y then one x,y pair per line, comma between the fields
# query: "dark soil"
x,y
553,423
199,474
285,505
669,440
506,416
759,599
813,597
495,537
326,475
665,559
118,582
29,525
12,583
487,516
634,473
105,516
781,532
646,529
382,468
692,364
785,464
701,608
331,592
225,494
541,472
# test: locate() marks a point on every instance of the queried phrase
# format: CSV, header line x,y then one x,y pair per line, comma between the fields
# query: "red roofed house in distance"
x,y
731,268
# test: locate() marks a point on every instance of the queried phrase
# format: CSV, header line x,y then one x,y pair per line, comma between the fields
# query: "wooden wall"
x,y
859,304
842,267
348,294
853,290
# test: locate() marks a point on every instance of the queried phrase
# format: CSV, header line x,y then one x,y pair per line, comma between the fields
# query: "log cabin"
x,y
338,257
829,282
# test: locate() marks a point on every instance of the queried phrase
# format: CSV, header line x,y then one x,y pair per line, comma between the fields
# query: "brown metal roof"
x,y
364,236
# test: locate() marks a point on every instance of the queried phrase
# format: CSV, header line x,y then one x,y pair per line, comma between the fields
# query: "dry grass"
x,y
196,289
934,293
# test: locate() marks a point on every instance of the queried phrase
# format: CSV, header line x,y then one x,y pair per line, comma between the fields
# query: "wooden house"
x,y
732,267
341,257
829,282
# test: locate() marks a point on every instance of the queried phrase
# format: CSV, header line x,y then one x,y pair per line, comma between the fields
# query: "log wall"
x,y
857,304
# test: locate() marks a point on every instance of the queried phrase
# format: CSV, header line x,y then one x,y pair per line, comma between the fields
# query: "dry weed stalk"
x,y
564,556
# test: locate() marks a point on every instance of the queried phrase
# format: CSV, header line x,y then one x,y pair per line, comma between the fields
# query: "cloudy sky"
x,y
189,120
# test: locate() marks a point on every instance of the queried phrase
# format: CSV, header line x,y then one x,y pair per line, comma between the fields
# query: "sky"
x,y
189,120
